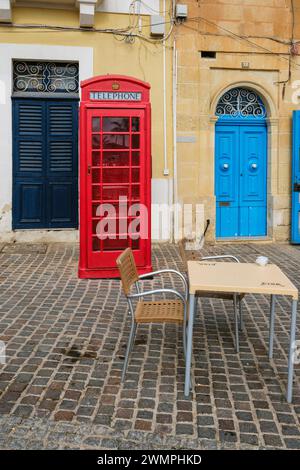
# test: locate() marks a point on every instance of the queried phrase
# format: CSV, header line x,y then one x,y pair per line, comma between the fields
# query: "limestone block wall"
x,y
251,40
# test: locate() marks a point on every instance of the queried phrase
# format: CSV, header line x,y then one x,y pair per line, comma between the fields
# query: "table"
x,y
241,278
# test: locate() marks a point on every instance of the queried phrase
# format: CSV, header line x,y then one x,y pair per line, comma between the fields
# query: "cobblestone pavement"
x,y
65,342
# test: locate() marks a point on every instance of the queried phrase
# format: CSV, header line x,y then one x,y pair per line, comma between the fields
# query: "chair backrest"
x,y
127,269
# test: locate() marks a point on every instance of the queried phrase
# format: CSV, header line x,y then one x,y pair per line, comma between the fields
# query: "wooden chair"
x,y
153,311
193,255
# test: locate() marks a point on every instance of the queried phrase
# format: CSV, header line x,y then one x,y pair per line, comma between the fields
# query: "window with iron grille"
x,y
242,103
38,77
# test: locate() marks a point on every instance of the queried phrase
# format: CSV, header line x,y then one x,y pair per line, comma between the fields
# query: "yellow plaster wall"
x,y
141,59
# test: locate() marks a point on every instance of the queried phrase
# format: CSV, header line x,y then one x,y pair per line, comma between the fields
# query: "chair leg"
x,y
241,315
184,346
185,332
197,301
184,329
184,339
237,343
129,348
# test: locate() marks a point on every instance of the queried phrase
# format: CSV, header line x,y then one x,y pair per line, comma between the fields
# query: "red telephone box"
x,y
115,174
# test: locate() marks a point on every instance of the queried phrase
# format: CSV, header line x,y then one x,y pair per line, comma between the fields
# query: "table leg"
x,y
272,322
289,393
237,341
188,359
241,315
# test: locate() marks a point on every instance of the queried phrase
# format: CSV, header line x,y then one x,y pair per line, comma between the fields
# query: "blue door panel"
x,y
45,162
227,221
243,222
227,152
29,201
240,179
61,196
257,221
253,165
226,180
252,221
295,216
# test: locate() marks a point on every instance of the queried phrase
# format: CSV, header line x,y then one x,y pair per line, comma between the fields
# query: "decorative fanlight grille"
x,y
45,77
241,102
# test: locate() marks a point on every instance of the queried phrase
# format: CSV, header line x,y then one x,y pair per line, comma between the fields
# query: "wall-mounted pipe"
x,y
166,169
174,106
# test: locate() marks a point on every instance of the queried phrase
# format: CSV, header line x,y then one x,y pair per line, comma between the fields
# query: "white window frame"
x,y
148,7
8,52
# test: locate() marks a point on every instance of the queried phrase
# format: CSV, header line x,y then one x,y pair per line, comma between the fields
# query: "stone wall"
x,y
266,28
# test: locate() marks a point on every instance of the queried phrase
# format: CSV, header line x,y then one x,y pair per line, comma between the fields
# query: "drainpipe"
x,y
166,169
175,183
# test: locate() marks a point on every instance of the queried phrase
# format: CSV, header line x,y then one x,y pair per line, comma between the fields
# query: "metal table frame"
x,y
192,304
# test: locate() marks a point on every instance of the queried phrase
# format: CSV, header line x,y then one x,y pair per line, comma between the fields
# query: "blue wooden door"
x,y
241,180
295,228
45,168
227,181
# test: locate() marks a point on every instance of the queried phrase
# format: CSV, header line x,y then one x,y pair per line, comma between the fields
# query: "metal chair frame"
x,y
237,299
140,294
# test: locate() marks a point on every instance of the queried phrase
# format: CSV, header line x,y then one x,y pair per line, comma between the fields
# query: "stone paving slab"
x,y
24,248
65,343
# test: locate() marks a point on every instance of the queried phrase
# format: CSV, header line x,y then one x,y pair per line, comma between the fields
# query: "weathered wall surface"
x,y
97,54
239,31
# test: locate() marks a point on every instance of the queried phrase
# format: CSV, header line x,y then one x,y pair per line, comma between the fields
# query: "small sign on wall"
x,y
115,95
188,139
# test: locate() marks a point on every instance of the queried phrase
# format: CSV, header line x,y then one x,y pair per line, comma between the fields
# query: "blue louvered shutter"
x,y
29,147
62,173
45,163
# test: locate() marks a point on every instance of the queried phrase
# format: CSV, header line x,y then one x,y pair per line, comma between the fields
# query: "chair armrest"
x,y
162,271
234,258
157,291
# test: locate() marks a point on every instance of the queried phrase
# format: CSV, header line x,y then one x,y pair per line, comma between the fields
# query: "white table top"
x,y
243,278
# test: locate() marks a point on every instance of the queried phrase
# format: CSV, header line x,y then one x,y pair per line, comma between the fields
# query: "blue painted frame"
x,y
45,199
230,123
238,214
295,212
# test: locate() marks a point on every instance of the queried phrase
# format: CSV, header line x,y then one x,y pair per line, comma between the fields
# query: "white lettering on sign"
x,y
115,95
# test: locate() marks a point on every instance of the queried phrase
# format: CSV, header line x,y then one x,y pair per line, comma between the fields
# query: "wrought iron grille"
x,y
241,102
45,77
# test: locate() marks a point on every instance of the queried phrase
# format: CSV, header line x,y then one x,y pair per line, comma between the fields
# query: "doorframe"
x,y
246,123
45,98
272,123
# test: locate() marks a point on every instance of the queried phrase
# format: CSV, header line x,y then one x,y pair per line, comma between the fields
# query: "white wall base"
x,y
40,236
161,215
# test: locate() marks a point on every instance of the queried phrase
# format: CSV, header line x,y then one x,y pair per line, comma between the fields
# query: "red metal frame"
x,y
115,160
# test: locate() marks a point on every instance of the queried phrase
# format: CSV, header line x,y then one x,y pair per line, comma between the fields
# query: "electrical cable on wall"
x,y
241,38
125,32
129,33
285,82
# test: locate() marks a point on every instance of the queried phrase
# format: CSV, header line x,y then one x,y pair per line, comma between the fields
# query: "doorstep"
x,y
226,240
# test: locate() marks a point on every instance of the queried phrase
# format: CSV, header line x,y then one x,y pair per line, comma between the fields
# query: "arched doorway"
x,y
241,165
